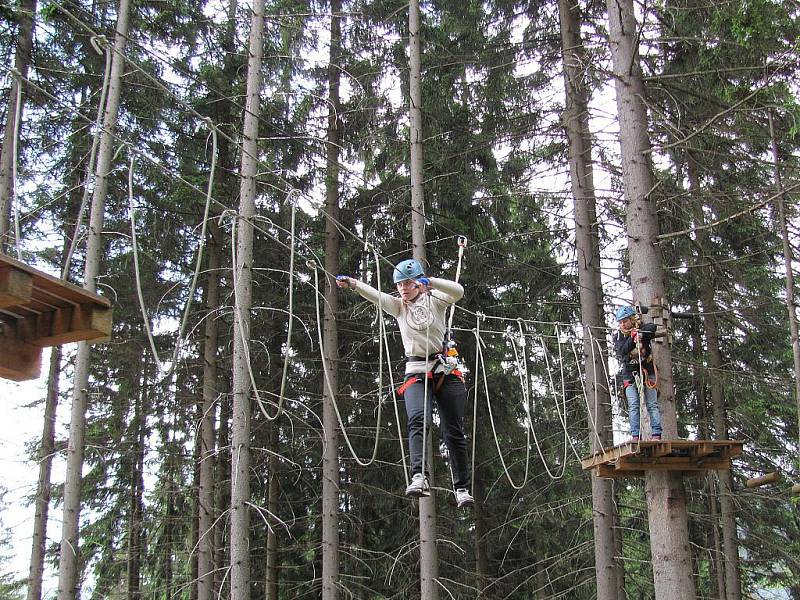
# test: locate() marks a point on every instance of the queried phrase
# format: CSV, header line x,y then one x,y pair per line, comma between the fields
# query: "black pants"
x,y
451,400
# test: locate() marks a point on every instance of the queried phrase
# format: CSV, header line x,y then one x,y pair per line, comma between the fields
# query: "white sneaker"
x,y
464,498
418,488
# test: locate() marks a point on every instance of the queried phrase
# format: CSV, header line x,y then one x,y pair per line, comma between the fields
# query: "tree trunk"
x,y
481,541
330,342
207,450
698,351
272,507
576,127
240,431
787,262
22,61
45,459
415,118
194,533
222,498
68,558
621,595
666,496
730,542
429,558
167,541
47,447
136,507
211,492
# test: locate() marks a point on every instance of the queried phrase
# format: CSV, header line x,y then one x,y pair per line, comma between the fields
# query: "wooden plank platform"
x,y
38,310
634,459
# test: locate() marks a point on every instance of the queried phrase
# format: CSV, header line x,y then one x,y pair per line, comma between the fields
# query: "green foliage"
x,y
492,139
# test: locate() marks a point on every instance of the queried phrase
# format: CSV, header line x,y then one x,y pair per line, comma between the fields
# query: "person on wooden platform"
x,y
632,345
421,314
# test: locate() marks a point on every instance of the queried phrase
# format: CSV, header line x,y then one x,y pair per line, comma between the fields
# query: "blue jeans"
x,y
451,400
650,400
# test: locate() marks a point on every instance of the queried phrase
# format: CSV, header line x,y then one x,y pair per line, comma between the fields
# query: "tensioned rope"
x,y
560,408
339,225
561,412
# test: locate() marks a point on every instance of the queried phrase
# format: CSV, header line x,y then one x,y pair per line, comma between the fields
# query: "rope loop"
x,y
99,43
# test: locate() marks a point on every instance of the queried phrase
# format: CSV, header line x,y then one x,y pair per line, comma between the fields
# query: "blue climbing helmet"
x,y
408,269
623,312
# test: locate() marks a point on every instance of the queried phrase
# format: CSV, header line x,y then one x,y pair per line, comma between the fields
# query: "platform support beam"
x,y
20,361
16,287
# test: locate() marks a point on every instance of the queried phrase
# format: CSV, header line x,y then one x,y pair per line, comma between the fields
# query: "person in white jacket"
x,y
421,314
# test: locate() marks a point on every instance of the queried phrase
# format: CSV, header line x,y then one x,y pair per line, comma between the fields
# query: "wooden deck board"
x,y
37,310
53,286
634,459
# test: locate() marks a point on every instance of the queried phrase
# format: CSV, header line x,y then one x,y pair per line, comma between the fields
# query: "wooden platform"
x,y
38,310
633,459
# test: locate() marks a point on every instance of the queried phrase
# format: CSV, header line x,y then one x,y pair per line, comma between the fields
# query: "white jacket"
x,y
422,321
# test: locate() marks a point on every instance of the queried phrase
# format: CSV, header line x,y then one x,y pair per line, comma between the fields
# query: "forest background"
x,y
723,117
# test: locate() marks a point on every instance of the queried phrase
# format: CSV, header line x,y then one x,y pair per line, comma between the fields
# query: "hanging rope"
x,y
589,413
562,416
97,42
234,218
462,244
284,375
381,334
480,362
198,263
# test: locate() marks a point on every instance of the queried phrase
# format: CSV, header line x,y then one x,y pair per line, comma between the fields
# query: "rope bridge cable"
x,y
592,414
529,425
560,405
338,223
562,416
382,333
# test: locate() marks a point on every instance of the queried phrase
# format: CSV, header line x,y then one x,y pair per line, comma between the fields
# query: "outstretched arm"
x,y
388,303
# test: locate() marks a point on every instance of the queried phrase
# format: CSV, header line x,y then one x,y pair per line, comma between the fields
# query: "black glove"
x,y
647,332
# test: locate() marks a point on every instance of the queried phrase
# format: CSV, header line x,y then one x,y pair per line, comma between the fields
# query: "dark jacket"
x,y
624,346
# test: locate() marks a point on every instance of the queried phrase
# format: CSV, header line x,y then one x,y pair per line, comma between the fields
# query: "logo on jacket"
x,y
418,316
